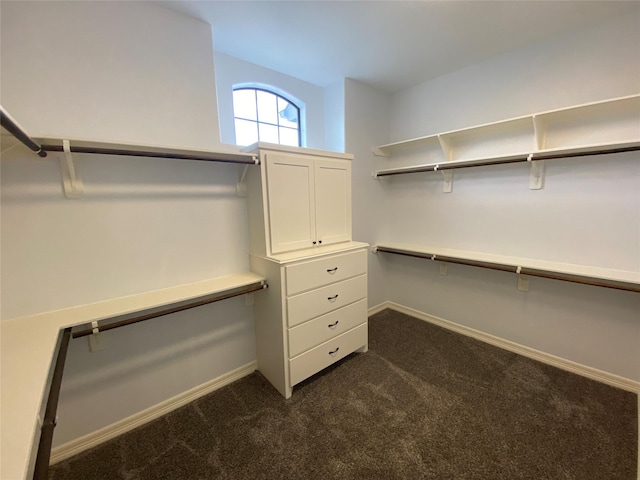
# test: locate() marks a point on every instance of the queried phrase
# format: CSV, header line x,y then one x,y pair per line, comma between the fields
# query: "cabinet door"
x,y
291,198
333,200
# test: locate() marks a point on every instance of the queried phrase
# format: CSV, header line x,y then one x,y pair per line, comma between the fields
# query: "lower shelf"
x,y
600,277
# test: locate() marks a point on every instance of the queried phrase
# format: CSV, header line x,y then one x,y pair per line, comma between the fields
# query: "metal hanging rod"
x,y
9,124
127,320
438,167
224,157
130,151
41,471
533,272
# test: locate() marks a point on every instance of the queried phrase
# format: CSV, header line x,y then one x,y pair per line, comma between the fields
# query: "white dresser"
x,y
315,310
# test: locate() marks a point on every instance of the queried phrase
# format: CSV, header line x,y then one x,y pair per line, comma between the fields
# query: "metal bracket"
x,y
523,282
536,174
71,181
249,299
447,177
443,268
96,339
241,186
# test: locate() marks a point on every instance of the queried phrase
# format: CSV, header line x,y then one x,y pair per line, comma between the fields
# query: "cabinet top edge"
x,y
261,146
315,252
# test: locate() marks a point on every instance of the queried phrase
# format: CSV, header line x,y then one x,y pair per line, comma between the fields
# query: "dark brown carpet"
x,y
423,403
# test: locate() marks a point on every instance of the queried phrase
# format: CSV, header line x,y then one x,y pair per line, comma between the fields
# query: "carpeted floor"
x,y
423,403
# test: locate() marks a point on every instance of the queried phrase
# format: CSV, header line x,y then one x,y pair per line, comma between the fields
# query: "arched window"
x,y
265,116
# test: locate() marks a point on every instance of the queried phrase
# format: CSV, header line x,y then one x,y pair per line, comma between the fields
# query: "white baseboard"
x,y
94,439
378,308
568,365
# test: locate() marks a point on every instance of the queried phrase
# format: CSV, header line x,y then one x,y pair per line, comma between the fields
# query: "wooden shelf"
x,y
588,275
588,128
29,345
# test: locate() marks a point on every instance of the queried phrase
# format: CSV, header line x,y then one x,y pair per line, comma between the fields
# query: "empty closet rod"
x,y
17,131
254,287
630,287
213,157
41,471
515,159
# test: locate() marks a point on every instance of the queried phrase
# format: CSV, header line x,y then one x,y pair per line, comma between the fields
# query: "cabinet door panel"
x,y
333,200
291,200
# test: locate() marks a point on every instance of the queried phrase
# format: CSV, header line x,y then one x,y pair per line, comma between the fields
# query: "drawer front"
x,y
323,300
305,365
326,270
319,330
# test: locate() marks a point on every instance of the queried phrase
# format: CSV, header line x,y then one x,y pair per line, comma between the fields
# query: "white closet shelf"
x,y
230,155
584,128
596,276
527,156
28,348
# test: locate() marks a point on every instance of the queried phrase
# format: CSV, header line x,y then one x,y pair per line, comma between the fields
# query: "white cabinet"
x,y
313,314
299,199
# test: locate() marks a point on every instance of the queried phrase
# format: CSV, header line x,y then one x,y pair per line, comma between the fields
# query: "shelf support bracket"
x,y
241,185
96,339
443,268
523,282
378,152
71,181
447,177
536,173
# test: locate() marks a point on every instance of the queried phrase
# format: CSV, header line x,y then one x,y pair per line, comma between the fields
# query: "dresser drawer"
x,y
323,271
314,360
314,332
306,306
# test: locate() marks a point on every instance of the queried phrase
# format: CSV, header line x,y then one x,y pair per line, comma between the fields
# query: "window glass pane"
x,y
267,108
244,104
287,113
268,133
246,132
289,136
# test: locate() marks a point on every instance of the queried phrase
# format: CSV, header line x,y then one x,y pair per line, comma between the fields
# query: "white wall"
x,y
587,213
96,71
231,71
334,117
130,72
367,125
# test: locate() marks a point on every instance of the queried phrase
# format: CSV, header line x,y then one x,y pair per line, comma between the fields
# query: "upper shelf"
x,y
590,127
103,148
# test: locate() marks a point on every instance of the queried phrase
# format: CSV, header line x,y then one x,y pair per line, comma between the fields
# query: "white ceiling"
x,y
390,45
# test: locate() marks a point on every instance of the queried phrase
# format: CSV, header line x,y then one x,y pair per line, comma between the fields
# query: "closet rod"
x,y
254,287
514,269
41,471
17,131
213,157
516,159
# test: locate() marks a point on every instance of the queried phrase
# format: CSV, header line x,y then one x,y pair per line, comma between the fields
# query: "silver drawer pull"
x,y
332,298
332,270
335,351
332,325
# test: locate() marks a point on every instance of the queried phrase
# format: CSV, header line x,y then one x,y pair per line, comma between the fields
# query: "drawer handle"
x,y
332,298
332,325
335,351
332,270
